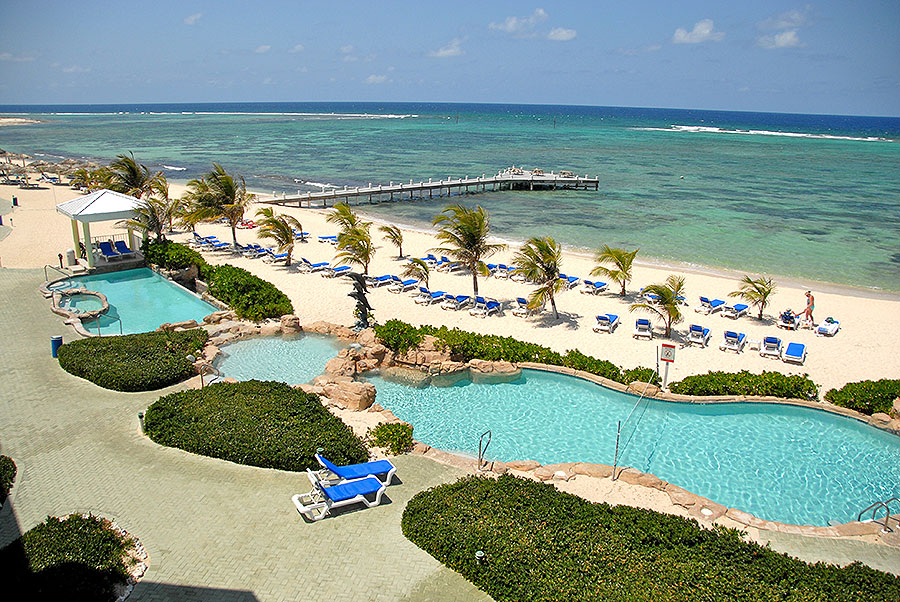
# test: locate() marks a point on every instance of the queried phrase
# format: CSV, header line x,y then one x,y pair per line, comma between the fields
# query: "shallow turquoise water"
x,y
782,463
295,360
82,302
141,299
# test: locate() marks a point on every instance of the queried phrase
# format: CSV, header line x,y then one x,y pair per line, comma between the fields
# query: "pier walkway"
x,y
510,179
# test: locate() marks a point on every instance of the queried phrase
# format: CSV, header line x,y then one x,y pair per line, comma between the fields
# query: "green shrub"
x,y
398,336
76,558
249,296
171,255
579,361
867,396
7,476
133,362
395,436
774,384
541,544
266,424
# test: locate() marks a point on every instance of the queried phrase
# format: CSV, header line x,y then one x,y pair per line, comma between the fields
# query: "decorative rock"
x,y
740,516
504,367
366,365
523,465
375,407
419,447
548,472
341,366
230,380
352,395
629,475
290,324
653,481
318,327
681,497
499,468
880,419
598,471
367,338
643,388
268,330
895,408
389,416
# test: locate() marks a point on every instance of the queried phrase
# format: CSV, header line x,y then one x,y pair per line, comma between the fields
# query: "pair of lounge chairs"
x,y
733,341
794,353
697,335
336,486
593,288
456,302
501,270
121,250
427,297
484,307
570,281
606,323
642,328
735,311
708,306
398,286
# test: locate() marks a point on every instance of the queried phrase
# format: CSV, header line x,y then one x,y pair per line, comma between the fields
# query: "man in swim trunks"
x,y
810,306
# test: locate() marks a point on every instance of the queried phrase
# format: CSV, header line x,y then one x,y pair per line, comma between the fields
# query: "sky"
x,y
833,56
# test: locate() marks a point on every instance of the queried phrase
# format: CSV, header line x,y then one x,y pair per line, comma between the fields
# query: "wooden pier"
x,y
510,179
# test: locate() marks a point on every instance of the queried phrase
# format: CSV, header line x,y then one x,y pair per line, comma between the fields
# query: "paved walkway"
x,y
214,530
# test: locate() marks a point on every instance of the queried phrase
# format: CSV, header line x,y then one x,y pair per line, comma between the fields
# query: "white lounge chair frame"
x,y
316,505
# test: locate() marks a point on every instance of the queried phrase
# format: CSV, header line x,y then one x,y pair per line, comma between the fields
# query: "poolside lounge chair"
x,y
788,320
606,323
521,308
795,353
771,347
697,334
642,328
828,328
319,502
107,252
356,471
335,271
708,307
401,286
123,249
455,302
735,311
733,341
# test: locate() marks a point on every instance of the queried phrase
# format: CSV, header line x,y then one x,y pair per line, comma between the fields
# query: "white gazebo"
x,y
101,206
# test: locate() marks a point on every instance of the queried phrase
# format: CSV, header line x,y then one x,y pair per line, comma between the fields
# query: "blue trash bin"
x,y
55,344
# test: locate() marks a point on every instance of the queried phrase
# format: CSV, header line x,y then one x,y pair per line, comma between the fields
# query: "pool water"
x,y
141,299
295,359
783,463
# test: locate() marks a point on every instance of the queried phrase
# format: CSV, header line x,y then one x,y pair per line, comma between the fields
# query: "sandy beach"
x,y
864,348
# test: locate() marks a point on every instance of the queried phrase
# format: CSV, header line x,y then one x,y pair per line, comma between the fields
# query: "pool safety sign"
x,y
667,353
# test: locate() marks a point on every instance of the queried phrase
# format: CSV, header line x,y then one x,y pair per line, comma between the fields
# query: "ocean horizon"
x,y
810,197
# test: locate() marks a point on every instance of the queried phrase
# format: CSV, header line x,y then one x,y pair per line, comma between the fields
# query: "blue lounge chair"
x,y
593,288
357,471
401,286
272,256
123,249
435,297
429,259
301,236
771,347
522,309
309,266
642,328
335,271
330,239
606,323
253,251
107,251
455,302
708,307
377,281
570,281
319,502
735,311
503,271
733,341
795,353
697,334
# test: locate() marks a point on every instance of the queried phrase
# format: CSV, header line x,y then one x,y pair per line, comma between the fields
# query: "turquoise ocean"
x,y
805,196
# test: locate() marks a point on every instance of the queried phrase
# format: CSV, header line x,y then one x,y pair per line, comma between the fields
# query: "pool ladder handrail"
x,y
885,528
53,267
619,425
482,448
116,318
202,370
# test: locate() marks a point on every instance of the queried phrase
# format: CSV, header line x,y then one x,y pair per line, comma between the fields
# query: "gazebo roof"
x,y
100,206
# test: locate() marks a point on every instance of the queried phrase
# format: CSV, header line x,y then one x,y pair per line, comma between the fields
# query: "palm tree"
x,y
755,292
343,216
92,179
356,246
130,177
279,228
620,270
465,232
220,195
668,306
150,216
539,260
418,269
395,236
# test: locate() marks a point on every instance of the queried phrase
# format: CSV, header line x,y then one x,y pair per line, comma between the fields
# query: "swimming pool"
x,y
140,298
782,463
295,360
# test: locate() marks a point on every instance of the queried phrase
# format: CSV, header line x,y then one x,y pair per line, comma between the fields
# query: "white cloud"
x,y
262,49
703,31
296,49
76,69
783,39
789,20
347,49
454,48
191,19
376,79
520,25
561,34
7,56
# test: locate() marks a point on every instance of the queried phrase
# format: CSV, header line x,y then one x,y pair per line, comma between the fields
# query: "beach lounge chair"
x,y
642,328
828,328
377,281
430,259
301,236
319,502
788,320
697,334
795,353
335,271
273,257
733,341
593,288
355,471
307,266
107,252
434,297
570,281
197,240
708,307
330,239
449,266
771,347
606,323
484,307
123,249
735,311
522,310
253,251
401,286
457,302
503,271
492,268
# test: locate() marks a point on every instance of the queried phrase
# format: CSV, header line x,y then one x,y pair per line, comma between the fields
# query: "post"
x,y
666,376
86,228
75,238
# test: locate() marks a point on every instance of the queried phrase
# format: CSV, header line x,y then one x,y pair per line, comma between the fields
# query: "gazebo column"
x,y
75,238
86,227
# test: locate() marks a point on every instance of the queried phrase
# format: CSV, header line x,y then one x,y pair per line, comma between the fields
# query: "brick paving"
x,y
214,530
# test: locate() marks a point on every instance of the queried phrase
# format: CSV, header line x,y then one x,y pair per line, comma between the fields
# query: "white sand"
x,y
865,347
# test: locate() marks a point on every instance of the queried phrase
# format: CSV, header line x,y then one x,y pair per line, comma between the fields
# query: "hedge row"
x,y
266,424
171,255
76,558
866,396
7,476
540,544
398,336
133,362
773,384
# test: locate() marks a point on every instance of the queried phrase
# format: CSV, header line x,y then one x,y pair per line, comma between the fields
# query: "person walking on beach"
x,y
810,306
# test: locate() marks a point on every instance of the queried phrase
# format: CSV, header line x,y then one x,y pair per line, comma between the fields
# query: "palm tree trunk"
x,y
287,262
623,288
553,305
475,280
234,233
